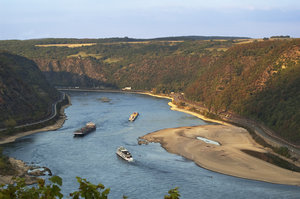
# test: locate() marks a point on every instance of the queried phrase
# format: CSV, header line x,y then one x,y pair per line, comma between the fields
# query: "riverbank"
x,y
21,170
19,167
58,124
227,158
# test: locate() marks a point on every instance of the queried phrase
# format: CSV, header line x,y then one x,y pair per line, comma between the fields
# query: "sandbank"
x,y
226,158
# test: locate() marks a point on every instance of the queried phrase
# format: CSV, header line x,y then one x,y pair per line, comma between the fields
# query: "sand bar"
x,y
226,158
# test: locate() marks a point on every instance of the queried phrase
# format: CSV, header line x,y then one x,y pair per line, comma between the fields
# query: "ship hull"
x,y
84,131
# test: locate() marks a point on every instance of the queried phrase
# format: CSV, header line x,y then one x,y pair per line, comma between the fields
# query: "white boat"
x,y
124,153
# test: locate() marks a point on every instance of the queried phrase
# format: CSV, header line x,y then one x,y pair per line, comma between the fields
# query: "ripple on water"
x,y
154,170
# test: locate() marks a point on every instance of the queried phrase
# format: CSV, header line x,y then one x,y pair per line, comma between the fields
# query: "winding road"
x,y
53,114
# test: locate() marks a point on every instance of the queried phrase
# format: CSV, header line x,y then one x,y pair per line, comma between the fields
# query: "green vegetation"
x,y
273,159
166,65
85,55
51,191
256,79
25,95
5,166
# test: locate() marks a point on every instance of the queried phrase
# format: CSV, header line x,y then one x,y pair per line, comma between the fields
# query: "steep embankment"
x,y
260,80
25,95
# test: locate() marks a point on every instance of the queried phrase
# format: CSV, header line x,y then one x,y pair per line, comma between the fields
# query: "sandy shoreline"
x,y
226,158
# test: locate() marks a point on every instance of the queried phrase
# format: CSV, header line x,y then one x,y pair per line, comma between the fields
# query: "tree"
x,y
86,190
174,194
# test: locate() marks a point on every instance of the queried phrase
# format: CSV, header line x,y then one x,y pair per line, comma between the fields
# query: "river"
x,y
153,172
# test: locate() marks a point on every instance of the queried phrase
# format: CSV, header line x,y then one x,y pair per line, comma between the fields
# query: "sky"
x,y
29,19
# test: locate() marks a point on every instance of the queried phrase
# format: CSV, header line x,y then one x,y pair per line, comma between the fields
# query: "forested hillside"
x,y
25,95
254,78
164,65
260,80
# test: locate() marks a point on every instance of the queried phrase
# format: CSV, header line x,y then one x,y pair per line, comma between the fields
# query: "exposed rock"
x,y
142,141
29,173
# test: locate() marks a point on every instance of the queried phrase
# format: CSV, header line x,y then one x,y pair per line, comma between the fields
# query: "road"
x,y
262,131
53,114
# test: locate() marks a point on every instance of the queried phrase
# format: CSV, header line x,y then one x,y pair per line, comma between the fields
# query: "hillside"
x,y
260,80
163,65
254,78
25,95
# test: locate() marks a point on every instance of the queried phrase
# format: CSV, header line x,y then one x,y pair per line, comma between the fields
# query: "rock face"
x,y
74,72
25,94
22,170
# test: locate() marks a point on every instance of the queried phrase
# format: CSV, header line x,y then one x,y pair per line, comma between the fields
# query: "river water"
x,y
153,172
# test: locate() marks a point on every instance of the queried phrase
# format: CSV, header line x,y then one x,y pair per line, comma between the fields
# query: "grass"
x,y
66,45
111,60
216,48
84,54
143,42
273,159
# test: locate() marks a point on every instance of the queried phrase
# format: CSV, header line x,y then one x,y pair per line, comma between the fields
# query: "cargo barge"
x,y
89,127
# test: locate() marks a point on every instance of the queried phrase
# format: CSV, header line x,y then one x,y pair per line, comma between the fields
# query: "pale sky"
x,y
28,19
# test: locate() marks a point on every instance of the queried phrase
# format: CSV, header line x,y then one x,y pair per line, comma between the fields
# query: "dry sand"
x,y
226,158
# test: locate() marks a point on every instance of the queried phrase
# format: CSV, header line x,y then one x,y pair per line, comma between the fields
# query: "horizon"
x,y
147,19
151,38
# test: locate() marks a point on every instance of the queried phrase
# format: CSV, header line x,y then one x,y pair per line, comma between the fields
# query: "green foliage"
x,y
90,191
42,191
258,80
5,166
10,123
174,194
284,151
86,190
164,65
25,95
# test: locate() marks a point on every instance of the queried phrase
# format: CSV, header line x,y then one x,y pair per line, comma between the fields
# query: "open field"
x,y
112,60
84,54
66,45
216,48
142,42
110,43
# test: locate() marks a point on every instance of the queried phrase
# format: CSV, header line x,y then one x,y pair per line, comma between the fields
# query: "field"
x,y
84,55
66,45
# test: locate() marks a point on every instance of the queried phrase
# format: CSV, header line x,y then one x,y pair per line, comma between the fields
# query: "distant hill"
x,y
25,95
254,78
164,65
185,38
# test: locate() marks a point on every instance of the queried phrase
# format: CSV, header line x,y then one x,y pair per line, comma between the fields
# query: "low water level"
x,y
153,172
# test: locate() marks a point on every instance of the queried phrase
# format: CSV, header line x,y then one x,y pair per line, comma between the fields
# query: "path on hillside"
x,y
50,117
